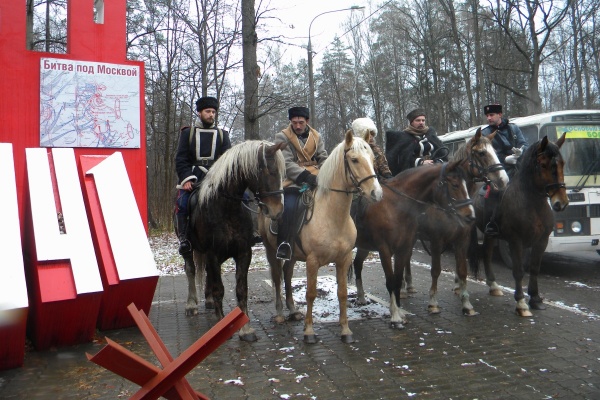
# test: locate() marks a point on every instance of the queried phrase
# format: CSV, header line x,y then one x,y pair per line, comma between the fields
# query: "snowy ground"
x,y
169,262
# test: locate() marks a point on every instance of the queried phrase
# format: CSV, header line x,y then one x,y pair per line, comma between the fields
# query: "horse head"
x,y
269,190
548,176
451,192
484,164
358,163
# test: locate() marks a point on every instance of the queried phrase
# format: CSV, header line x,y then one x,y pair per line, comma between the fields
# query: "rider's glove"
x,y
512,159
311,180
517,151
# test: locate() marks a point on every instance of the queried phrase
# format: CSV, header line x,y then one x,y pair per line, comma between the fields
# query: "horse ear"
x,y
492,135
349,138
477,134
543,144
561,140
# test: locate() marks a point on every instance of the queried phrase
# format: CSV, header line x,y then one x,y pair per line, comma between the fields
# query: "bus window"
x,y
531,133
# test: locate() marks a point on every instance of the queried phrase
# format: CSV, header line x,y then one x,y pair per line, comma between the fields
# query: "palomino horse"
x,y
479,162
524,217
328,234
390,226
221,225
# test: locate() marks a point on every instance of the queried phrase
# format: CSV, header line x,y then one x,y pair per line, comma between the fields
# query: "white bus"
x,y
577,228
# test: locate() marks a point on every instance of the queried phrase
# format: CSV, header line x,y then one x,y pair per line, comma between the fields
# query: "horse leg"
x,y
191,307
408,281
288,274
535,261
490,278
460,255
276,269
200,260
242,264
214,284
393,282
436,269
341,272
516,253
312,268
359,259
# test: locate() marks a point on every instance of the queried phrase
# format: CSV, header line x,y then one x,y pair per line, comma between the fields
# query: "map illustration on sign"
x,y
89,104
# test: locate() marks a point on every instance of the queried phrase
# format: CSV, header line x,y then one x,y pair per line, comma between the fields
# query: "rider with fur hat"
x,y
199,147
365,128
413,146
304,154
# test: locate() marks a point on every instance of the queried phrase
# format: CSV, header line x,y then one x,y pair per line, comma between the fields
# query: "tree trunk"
x,y
251,71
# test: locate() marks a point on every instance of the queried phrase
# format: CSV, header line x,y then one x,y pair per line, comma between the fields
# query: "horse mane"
x,y
327,172
461,153
237,165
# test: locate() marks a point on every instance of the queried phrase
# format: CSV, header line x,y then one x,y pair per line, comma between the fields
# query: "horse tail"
x,y
474,252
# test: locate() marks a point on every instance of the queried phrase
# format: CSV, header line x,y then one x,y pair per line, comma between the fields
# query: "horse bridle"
x,y
357,183
551,186
482,172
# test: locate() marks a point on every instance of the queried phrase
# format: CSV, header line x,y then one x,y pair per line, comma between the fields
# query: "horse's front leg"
x,y
191,307
535,261
407,283
276,270
393,282
436,269
516,253
341,271
460,256
214,284
288,274
359,259
312,268
490,277
242,265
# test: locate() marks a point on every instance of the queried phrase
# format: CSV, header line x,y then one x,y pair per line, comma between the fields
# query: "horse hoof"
x,y
297,316
347,339
249,337
433,309
209,305
280,319
469,312
397,325
523,313
537,305
310,339
496,292
403,295
411,290
190,312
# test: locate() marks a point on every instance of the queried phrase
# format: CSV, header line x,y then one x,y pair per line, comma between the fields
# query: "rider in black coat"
x,y
414,146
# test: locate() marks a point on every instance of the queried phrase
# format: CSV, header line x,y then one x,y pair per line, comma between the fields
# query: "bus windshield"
x,y
581,152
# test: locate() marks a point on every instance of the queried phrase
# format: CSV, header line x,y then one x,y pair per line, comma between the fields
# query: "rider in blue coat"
x,y
509,144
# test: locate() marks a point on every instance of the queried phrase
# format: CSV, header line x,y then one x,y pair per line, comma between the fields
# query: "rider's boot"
x,y
184,244
491,202
284,249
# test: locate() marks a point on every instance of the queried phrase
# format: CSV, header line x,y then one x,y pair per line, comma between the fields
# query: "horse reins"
x,y
551,186
482,172
452,206
357,183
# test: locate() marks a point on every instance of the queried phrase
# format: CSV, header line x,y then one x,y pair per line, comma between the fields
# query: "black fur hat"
x,y
207,102
298,112
492,109
414,114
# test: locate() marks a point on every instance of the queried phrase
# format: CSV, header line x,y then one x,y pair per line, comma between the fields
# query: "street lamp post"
x,y
311,82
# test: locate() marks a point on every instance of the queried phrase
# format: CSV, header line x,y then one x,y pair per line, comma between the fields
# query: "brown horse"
x,y
390,226
525,219
328,234
221,224
479,162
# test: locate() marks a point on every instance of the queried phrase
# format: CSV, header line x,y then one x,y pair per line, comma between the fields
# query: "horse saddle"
x,y
297,220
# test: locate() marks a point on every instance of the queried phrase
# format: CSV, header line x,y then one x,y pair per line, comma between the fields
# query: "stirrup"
x,y
491,229
185,247
284,251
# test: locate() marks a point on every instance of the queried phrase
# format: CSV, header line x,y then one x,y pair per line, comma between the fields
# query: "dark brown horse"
x,y
390,226
525,219
221,224
479,162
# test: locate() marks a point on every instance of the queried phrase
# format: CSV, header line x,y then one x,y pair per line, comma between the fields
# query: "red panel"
x,y
19,125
